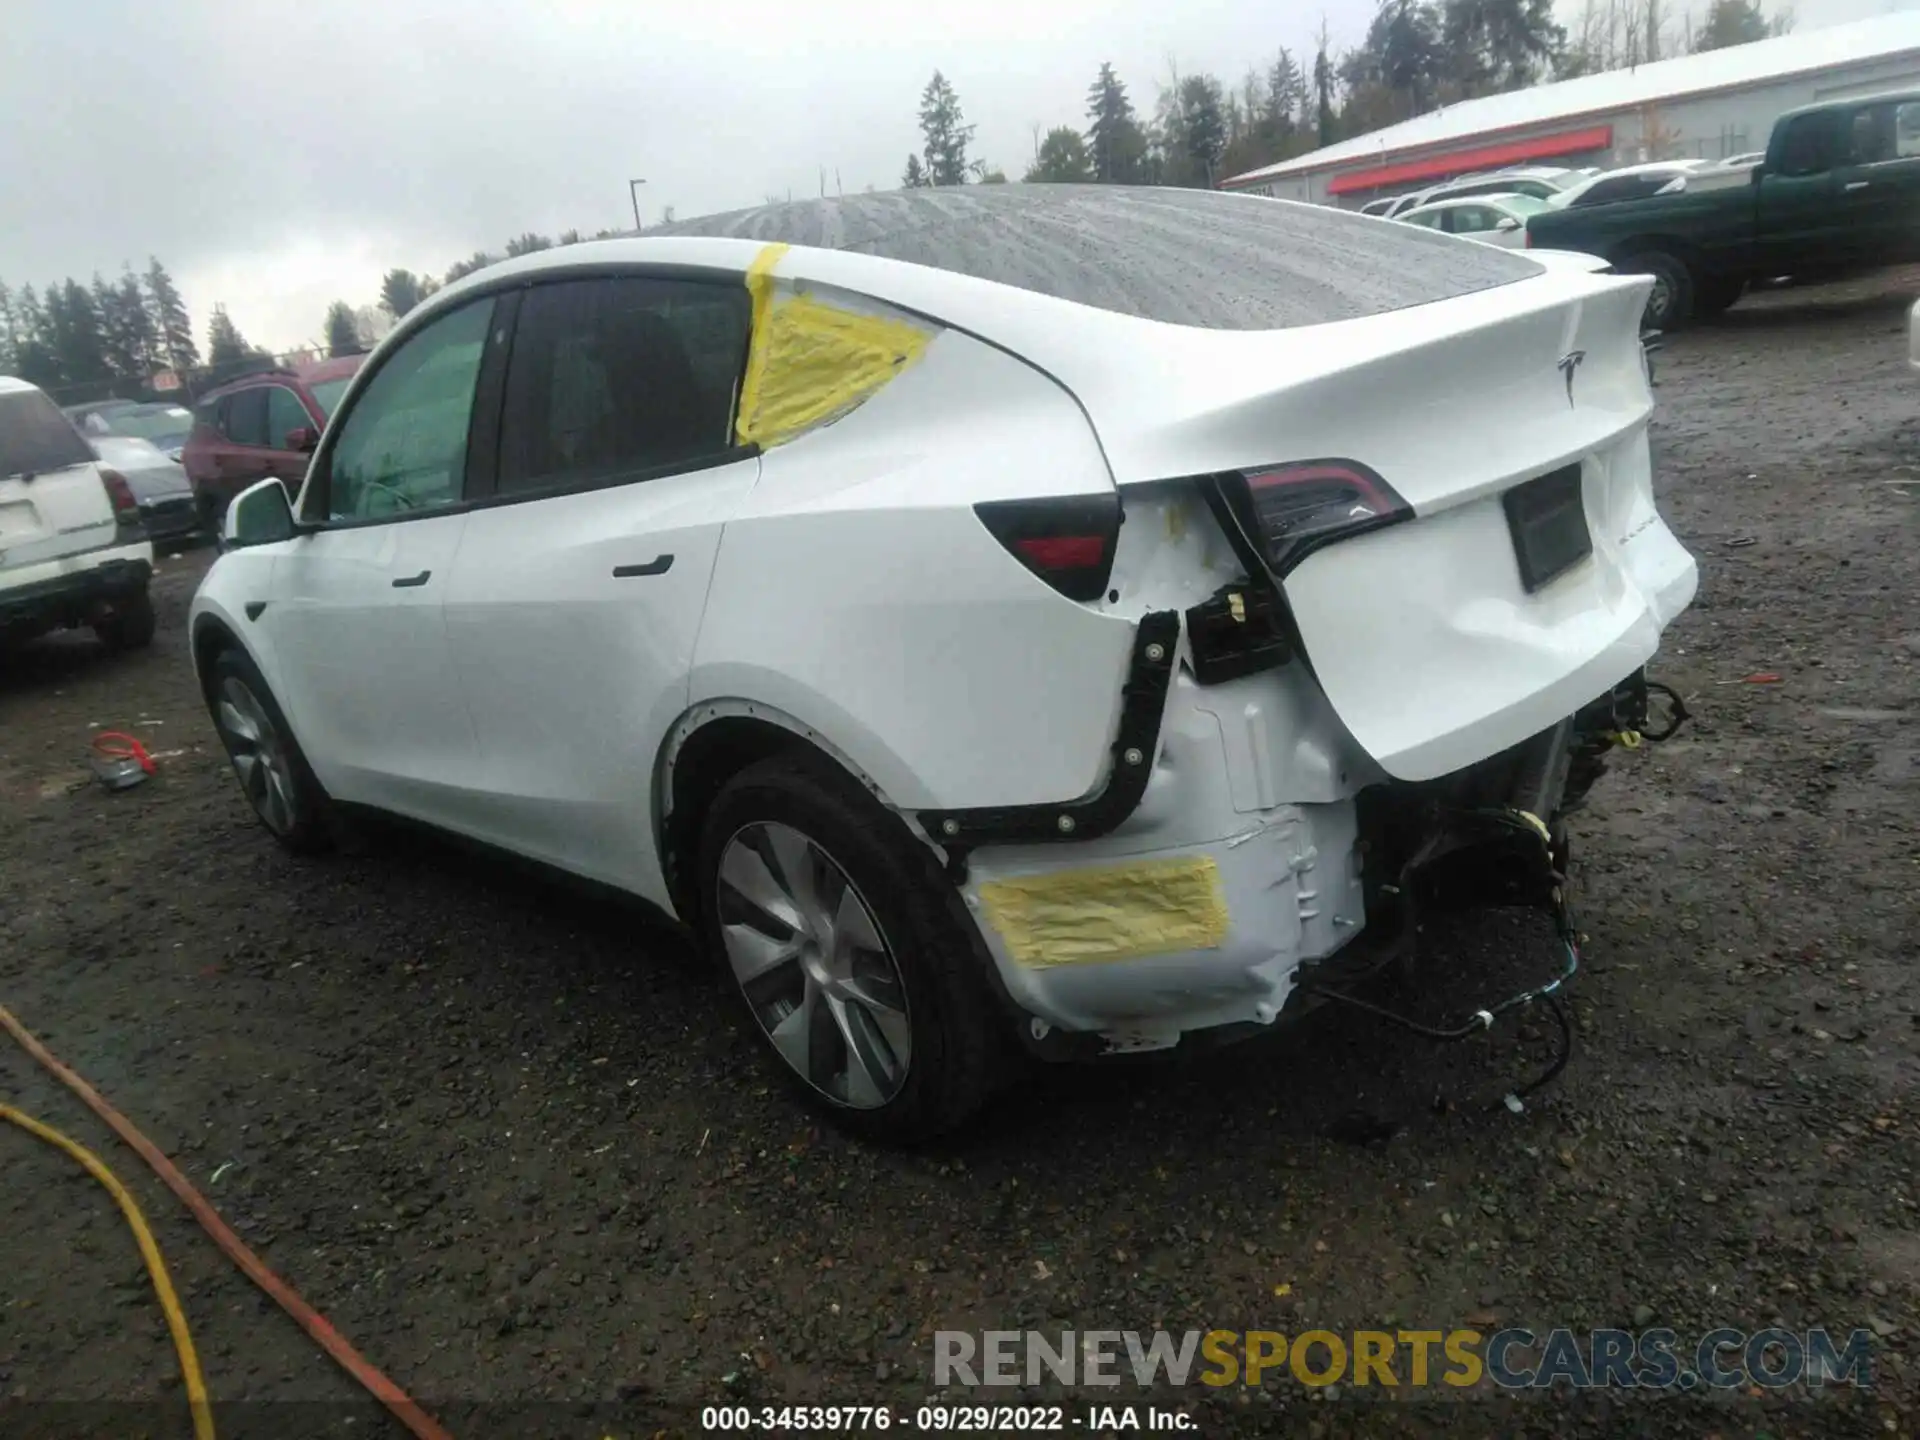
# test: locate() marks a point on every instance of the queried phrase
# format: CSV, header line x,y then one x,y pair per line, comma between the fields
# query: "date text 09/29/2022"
x,y
928,1419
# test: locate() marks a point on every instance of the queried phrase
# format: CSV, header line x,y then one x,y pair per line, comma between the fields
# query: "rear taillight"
x,y
1067,541
1289,511
119,494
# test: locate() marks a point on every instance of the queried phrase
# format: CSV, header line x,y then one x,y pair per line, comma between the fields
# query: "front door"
x,y
356,617
577,595
1796,210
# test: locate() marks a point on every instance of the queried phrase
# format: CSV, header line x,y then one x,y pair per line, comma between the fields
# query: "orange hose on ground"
x,y
403,1407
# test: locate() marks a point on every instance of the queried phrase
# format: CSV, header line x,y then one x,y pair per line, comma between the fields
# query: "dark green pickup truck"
x,y
1839,190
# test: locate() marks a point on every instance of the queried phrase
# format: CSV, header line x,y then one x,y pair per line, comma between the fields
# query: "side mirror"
x,y
1507,223
261,514
303,439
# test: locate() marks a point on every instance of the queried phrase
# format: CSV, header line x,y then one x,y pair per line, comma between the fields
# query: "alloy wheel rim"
x,y
814,965
1660,300
258,753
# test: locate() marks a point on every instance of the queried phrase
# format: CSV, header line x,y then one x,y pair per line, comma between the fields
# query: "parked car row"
x,y
1837,189
74,549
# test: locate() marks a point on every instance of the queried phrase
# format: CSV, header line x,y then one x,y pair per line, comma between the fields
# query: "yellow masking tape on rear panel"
x,y
1124,912
811,361
760,288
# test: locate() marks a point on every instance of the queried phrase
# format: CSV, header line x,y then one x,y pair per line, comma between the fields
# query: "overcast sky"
x,y
277,155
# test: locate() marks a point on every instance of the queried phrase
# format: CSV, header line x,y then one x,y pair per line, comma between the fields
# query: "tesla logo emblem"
x,y
1568,363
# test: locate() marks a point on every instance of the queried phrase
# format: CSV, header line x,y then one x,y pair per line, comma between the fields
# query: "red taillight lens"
x,y
1067,540
1292,510
119,493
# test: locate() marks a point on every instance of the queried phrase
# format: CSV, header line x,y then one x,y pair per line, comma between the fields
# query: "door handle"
x,y
413,581
659,565
1853,185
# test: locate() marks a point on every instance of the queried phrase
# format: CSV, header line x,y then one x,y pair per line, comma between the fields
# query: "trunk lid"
x,y
1433,643
52,503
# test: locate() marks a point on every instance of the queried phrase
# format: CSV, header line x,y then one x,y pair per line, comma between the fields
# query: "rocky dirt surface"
x,y
515,1145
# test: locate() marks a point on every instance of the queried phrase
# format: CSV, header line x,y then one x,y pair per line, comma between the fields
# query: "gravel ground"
x,y
511,1141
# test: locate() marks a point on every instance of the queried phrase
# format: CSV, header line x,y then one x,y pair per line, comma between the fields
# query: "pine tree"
x,y
460,269
343,331
9,329
1116,145
225,347
527,244
945,132
1732,22
915,177
1203,125
1062,159
399,292
135,322
33,356
1323,90
170,323
73,330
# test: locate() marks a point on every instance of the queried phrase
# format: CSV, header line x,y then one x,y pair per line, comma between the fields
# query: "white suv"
x,y
73,548
1071,614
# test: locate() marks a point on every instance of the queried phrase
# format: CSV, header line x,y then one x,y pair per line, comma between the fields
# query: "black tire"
x,y
960,1039
129,624
296,812
1716,296
1670,306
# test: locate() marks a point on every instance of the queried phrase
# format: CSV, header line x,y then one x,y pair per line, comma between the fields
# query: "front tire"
x,y
1670,306
850,951
267,760
129,624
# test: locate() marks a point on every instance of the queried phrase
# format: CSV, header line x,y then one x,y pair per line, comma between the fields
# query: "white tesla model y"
x,y
1054,615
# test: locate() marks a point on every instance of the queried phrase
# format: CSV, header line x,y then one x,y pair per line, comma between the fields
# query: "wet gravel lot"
x,y
511,1141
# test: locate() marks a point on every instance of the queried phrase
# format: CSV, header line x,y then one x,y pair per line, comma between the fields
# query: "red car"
x,y
262,424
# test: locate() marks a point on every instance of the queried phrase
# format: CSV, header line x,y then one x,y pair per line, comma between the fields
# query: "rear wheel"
x,y
273,774
849,950
1671,303
129,625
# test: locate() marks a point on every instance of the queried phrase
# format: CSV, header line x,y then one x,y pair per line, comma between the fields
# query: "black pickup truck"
x,y
1839,190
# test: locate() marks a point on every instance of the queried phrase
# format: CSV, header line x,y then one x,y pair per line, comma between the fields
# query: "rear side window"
x,y
1906,130
35,436
609,378
245,422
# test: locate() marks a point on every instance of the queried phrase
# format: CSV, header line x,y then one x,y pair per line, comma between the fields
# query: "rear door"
x,y
52,503
577,596
1878,179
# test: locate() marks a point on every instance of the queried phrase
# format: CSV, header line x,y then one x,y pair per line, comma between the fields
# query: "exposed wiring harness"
x,y
1547,991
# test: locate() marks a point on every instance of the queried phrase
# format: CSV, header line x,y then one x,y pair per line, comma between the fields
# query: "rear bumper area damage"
x,y
1208,913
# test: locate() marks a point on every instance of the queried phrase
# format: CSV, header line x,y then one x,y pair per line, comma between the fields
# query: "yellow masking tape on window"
x,y
1123,912
811,361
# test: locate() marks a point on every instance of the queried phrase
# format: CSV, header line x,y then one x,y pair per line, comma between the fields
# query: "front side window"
x,y
284,413
402,448
246,422
1808,148
613,377
1472,219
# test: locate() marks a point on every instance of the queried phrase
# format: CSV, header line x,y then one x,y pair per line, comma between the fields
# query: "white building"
x,y
1714,105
